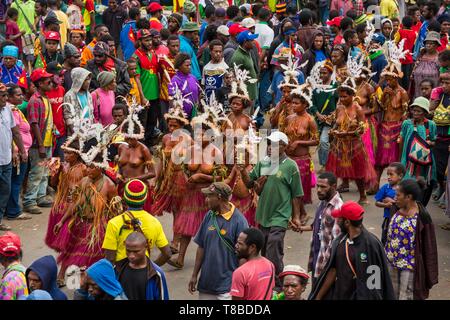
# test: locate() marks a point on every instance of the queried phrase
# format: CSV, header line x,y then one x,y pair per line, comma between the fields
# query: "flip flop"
x,y
175,264
445,226
363,202
4,227
174,250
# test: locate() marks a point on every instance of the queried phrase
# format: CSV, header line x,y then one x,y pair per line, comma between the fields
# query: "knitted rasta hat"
x,y
135,193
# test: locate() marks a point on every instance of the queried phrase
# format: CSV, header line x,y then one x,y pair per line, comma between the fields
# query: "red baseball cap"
x,y
9,244
336,21
52,35
349,210
154,6
143,33
235,29
39,73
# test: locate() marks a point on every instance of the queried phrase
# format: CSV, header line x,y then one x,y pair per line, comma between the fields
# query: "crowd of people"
x,y
110,113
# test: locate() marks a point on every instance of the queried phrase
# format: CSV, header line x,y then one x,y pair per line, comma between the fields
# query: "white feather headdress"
x,y
316,82
394,54
291,72
239,84
133,120
212,116
95,145
305,91
176,111
355,67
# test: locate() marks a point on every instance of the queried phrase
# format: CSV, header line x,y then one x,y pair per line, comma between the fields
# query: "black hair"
x,y
333,14
52,3
142,23
43,3
360,28
254,236
238,19
105,38
412,10
434,26
8,260
210,10
412,188
210,32
245,102
305,17
399,168
165,34
132,60
351,14
232,12
243,11
11,87
292,9
407,22
12,12
120,106
356,223
264,14
348,34
256,8
346,23
134,13
444,55
98,26
220,13
346,89
172,37
215,42
432,7
331,178
427,80
125,126
180,59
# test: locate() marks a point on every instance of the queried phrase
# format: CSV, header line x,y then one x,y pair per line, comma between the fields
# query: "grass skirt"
x,y
304,166
58,241
388,148
193,209
247,207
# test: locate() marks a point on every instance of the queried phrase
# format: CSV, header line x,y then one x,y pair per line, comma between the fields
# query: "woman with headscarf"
x,y
77,101
103,98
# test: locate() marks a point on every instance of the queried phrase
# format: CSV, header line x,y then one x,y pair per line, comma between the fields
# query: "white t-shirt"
x,y
6,124
265,33
213,76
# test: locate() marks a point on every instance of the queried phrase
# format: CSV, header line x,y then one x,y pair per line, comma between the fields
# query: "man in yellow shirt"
x,y
64,27
88,51
389,9
135,219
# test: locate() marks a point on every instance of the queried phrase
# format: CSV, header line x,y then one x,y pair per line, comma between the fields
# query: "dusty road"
x,y
296,246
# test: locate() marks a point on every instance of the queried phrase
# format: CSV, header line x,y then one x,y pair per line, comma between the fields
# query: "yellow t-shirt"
x,y
48,137
63,26
151,227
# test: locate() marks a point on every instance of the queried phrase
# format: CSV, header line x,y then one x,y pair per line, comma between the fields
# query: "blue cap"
x,y
11,51
379,38
246,36
289,31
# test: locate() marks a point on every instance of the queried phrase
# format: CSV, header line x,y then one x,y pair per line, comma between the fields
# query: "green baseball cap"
x,y
190,26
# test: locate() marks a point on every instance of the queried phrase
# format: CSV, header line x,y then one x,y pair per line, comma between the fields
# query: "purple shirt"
x,y
189,87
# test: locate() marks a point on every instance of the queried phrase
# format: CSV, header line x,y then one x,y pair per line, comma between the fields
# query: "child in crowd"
x,y
222,93
12,31
136,87
426,86
409,36
385,197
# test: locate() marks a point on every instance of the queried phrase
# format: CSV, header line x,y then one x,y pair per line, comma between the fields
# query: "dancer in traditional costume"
x,y
348,157
170,185
134,158
394,105
94,203
302,131
203,166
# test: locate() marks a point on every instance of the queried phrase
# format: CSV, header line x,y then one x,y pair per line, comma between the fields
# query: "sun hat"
x,y
421,102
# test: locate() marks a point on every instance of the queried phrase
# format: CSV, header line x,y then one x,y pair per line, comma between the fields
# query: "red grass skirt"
x,y
77,251
304,166
52,240
388,148
247,207
193,209
367,140
170,198
348,159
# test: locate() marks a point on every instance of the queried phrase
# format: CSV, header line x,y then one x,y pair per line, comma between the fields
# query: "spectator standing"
x,y
128,34
103,98
114,17
188,32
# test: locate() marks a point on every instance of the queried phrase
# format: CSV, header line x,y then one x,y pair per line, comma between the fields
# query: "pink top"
x,y
104,102
24,128
251,280
162,51
436,93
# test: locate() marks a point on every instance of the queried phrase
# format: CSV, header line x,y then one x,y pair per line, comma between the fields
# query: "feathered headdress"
x,y
80,126
239,86
370,29
291,72
213,115
305,91
314,79
95,140
355,67
176,111
394,54
132,121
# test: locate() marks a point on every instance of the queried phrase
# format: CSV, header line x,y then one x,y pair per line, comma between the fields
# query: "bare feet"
x,y
363,201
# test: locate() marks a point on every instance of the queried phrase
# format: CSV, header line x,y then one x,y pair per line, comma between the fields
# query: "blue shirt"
x,y
386,191
126,43
202,31
320,55
187,47
219,261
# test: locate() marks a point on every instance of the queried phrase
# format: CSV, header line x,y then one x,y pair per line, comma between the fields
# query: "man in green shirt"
x,y
280,190
243,59
26,11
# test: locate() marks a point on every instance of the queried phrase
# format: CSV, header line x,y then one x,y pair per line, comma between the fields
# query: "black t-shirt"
x,y
134,282
345,284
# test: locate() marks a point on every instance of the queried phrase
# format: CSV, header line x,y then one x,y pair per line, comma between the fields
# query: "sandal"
x,y
363,202
22,216
343,189
4,227
445,226
175,264
174,250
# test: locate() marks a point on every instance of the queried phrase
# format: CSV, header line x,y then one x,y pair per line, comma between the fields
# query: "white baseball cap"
x,y
223,30
248,23
278,136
